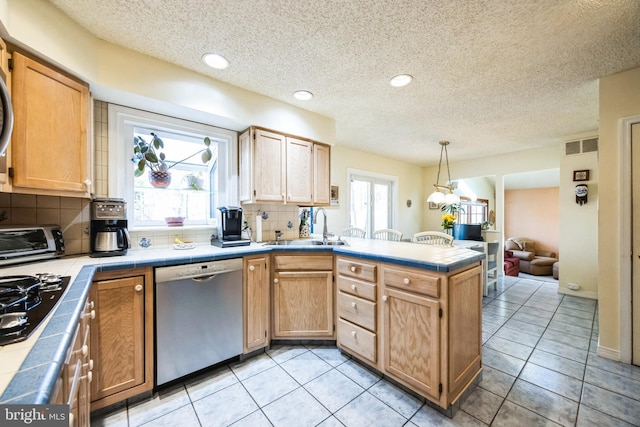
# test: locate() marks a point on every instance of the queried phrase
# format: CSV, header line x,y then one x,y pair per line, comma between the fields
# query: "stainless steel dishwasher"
x,y
198,317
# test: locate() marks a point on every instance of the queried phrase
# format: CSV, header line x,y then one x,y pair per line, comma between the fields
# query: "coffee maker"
x,y
109,234
229,228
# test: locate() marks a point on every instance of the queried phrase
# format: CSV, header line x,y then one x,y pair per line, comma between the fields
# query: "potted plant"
x,y
150,154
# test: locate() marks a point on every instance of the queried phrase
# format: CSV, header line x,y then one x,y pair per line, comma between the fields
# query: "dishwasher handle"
x,y
206,278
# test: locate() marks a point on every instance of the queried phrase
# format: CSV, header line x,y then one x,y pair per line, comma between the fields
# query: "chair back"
x,y
433,238
387,234
354,232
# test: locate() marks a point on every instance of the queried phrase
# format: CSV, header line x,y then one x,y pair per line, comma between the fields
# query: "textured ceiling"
x,y
491,76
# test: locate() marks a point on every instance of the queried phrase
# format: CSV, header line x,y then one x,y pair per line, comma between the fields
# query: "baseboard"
x,y
608,353
582,294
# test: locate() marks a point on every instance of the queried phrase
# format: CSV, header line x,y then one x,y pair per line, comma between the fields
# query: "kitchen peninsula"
x,y
427,308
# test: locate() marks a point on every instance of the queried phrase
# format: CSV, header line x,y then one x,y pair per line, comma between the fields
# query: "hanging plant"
x,y
149,154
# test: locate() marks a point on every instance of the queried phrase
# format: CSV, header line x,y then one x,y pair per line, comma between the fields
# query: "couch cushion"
x,y
510,245
529,245
524,255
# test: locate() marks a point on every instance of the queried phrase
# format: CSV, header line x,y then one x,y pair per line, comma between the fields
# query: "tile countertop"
x,y
28,369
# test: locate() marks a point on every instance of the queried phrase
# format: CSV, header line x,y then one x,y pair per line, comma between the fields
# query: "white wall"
x,y
578,242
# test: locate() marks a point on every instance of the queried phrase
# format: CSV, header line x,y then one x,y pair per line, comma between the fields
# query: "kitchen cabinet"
x,y
51,150
122,335
432,337
280,168
303,296
73,386
356,284
255,302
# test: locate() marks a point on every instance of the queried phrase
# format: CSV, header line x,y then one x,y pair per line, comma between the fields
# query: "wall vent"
x,y
584,146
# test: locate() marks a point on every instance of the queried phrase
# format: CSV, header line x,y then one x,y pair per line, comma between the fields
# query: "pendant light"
x,y
437,196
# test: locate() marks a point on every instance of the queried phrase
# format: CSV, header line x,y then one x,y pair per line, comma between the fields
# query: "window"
x,y
475,212
196,188
371,201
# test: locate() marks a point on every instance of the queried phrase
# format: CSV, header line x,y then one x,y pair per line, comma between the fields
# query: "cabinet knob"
x,y
275,280
406,281
89,365
87,183
353,304
353,333
138,288
354,287
91,314
252,267
85,350
89,376
353,268
384,297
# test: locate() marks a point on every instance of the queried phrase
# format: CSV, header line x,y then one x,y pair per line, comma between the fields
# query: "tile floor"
x,y
540,368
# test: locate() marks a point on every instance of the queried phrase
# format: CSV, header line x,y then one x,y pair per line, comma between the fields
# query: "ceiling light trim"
x,y
400,80
303,95
215,60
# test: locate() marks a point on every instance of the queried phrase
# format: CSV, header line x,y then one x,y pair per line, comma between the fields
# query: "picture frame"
x,y
433,206
581,175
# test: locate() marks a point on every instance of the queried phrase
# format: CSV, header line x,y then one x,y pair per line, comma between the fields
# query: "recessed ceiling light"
x,y
216,61
400,80
302,95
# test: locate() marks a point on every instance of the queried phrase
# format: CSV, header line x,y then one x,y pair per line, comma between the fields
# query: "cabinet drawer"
x,y
413,280
357,310
357,288
357,339
303,262
358,269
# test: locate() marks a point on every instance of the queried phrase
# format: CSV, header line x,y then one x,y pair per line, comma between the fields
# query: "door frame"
x,y
626,314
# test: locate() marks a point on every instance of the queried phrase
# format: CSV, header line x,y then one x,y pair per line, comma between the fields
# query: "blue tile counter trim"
x,y
35,380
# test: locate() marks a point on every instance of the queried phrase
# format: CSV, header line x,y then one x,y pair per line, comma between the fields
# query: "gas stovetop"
x,y
25,301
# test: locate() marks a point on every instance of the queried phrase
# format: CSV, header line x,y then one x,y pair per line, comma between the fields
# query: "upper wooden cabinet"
x,y
279,168
51,143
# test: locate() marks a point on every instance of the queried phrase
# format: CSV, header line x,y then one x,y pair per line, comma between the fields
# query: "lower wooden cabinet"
x,y
303,297
73,386
255,302
122,335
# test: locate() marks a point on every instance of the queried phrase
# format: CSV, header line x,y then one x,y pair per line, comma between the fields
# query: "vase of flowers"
x,y
149,154
303,230
448,221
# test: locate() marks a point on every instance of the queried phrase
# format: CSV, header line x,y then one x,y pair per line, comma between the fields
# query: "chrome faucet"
x,y
325,234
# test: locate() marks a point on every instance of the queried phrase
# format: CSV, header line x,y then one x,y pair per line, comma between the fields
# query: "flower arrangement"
x,y
150,154
447,221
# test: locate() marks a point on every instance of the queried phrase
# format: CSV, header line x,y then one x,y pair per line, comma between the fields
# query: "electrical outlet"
x,y
573,286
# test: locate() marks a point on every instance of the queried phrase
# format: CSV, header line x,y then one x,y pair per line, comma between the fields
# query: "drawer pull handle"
x,y
138,288
406,281
275,280
91,314
252,267
353,304
85,350
354,287
384,297
89,376
353,333
353,268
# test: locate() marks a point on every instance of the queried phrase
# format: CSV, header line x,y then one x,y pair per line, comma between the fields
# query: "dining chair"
x,y
354,232
387,234
433,238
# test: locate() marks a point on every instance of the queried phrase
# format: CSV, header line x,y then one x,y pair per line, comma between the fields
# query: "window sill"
x,y
174,228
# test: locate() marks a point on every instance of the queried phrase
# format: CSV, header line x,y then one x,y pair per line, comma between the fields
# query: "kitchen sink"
x,y
305,243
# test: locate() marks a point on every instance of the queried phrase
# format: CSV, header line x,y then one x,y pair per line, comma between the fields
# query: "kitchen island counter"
x,y
29,369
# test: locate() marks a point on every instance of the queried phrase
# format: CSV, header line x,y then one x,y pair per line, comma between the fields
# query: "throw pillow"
x,y
529,246
512,246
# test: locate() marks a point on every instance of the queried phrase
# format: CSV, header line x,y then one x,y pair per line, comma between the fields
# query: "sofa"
x,y
511,264
532,261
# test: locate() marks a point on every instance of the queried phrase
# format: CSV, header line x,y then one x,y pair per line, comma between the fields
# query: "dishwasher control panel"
x,y
177,272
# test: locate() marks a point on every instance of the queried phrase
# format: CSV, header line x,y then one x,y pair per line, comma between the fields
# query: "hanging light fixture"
x,y
437,196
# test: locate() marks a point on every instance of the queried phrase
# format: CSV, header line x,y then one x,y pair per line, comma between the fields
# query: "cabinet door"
x,y
122,338
411,340
465,328
321,174
50,142
299,170
268,166
256,303
303,304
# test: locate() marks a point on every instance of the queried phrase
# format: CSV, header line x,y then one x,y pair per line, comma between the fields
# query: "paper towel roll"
x,y
258,228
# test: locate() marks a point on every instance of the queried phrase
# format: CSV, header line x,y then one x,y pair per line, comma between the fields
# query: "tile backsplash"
x,y
72,214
